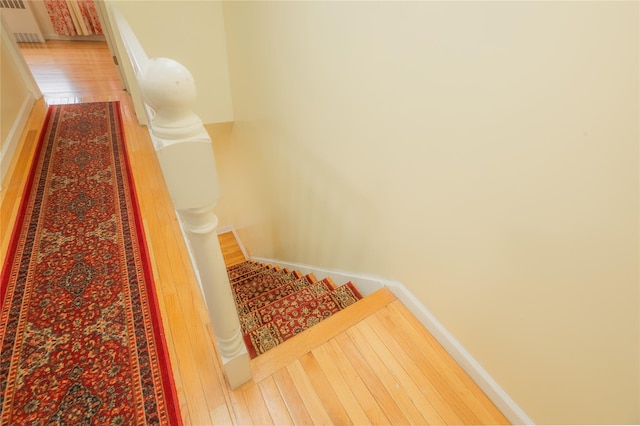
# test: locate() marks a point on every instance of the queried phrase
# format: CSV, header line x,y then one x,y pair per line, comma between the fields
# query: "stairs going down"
x,y
276,304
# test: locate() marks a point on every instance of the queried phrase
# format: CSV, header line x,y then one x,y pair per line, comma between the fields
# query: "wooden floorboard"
x,y
231,250
287,352
370,364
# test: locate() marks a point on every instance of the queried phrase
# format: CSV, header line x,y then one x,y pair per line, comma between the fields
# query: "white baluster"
x,y
186,157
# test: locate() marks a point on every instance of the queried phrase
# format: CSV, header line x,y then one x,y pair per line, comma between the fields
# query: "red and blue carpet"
x,y
80,329
274,304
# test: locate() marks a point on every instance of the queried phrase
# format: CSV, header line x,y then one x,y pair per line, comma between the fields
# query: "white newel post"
x,y
186,157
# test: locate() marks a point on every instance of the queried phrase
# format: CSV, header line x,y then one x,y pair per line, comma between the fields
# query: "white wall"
x,y
485,154
192,33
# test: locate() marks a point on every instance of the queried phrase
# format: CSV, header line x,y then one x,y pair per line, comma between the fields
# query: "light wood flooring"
x,y
371,364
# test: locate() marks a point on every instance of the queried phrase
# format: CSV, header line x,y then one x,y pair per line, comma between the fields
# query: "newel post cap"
x,y
169,89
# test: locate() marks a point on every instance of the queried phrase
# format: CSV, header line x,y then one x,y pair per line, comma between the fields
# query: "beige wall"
x,y
483,154
16,97
13,90
192,33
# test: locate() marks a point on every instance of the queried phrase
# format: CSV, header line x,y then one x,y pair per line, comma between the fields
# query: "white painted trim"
x,y
21,63
225,229
10,144
131,57
368,284
496,394
230,228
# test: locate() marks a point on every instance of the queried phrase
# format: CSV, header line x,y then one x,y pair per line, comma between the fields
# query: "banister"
x,y
185,154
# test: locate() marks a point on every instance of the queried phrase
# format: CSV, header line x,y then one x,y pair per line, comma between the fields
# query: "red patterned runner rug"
x,y
80,330
274,305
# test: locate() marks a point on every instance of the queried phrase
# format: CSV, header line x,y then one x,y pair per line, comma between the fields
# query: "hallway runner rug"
x,y
80,329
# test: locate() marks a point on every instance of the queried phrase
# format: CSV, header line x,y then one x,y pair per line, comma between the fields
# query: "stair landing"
x,y
371,363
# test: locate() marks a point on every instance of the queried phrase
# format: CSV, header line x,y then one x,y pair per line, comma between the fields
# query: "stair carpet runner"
x,y
275,304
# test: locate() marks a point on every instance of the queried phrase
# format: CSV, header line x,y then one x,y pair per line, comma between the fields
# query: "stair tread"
x,y
262,284
276,304
285,305
273,295
242,269
241,277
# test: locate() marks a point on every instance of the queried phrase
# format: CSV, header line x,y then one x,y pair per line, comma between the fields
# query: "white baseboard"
x,y
10,144
496,394
369,284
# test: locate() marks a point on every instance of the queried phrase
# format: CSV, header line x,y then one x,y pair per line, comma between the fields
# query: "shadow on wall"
x,y
289,203
319,219
241,204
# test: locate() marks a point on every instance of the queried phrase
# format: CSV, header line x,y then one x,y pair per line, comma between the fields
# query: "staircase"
x,y
276,304
302,340
372,362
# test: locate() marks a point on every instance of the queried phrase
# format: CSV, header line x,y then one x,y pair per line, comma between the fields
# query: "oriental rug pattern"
x,y
275,304
80,330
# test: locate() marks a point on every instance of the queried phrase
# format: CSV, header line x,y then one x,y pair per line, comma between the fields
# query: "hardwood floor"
x,y
373,364
231,250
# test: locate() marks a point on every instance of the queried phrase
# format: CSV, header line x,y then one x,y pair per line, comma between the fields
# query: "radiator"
x,y
20,21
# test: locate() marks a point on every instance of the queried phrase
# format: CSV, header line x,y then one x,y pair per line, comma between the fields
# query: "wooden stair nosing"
x,y
271,361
